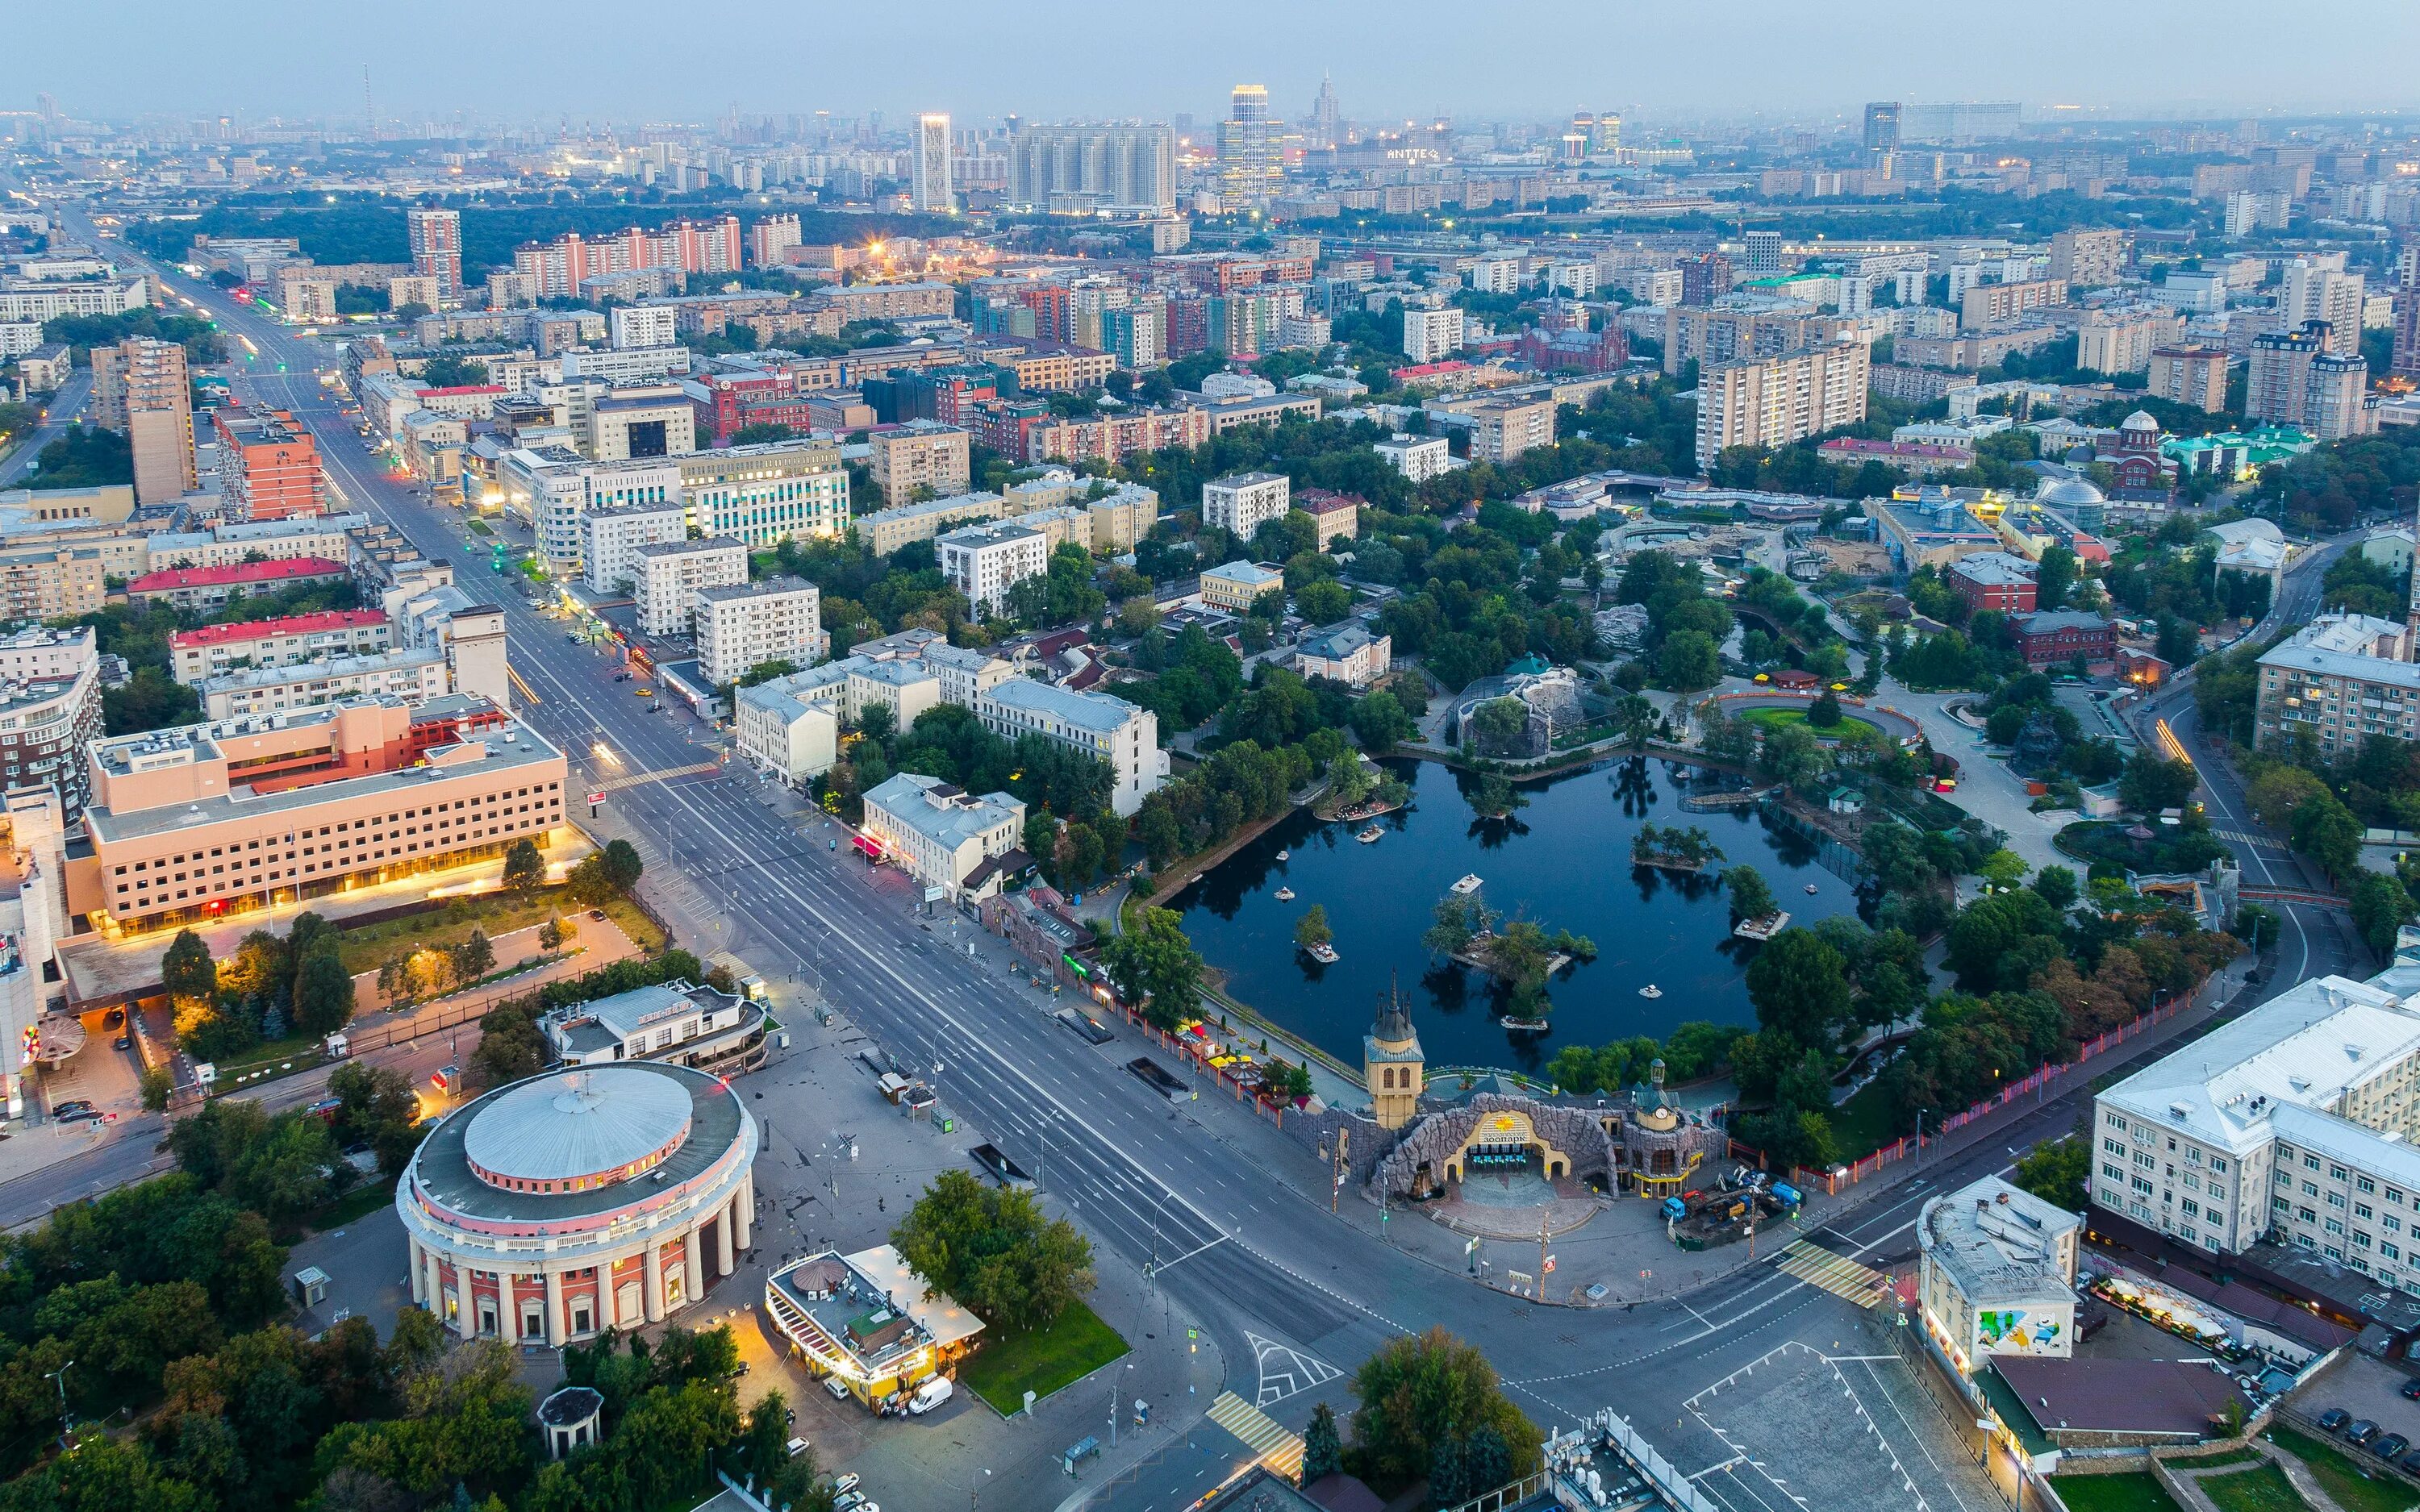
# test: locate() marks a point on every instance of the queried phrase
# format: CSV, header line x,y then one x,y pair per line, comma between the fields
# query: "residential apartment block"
x,y
414,674
1431,335
610,540
922,454
196,657
1774,401
790,726
2294,379
983,562
940,836
1416,457
666,576
141,389
1988,304
743,625
1502,429
268,466
1241,503
2337,682
2190,375
50,708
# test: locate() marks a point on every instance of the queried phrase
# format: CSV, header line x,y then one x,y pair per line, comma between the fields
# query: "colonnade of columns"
x,y
732,1220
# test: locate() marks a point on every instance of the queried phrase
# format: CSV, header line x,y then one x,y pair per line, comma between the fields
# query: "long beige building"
x,y
1773,401
208,818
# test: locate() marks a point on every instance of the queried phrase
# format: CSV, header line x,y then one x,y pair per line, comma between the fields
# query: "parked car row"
x,y
2363,1433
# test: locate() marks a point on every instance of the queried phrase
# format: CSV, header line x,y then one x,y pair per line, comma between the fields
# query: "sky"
x,y
629,61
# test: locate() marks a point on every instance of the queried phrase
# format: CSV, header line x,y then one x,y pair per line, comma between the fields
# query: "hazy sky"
x,y
630,60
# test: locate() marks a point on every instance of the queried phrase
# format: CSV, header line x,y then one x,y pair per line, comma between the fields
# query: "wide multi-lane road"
x,y
65,407
1251,1254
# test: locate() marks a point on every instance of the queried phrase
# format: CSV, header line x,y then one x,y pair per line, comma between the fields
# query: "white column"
x,y
433,1287
743,1213
419,1274
651,1273
692,1267
554,1308
508,1309
724,1260
466,1317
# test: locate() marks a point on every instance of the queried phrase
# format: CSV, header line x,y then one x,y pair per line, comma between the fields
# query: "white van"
x,y
930,1394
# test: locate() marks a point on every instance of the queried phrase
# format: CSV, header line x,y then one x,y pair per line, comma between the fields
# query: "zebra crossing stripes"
x,y
1836,1273
615,784
1278,1449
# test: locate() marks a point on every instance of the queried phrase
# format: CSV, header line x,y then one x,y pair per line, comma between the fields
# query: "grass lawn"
x,y
2211,1462
481,527
2355,1488
1043,1360
2265,1489
2114,1494
369,946
356,1205
1865,1123
1774,718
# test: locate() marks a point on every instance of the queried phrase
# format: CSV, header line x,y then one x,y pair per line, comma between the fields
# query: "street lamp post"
x,y
974,1492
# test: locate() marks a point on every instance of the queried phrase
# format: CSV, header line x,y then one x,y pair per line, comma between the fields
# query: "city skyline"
x,y
1096,60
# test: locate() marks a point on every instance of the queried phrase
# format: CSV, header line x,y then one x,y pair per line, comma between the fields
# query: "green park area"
x,y
1041,1360
2137,1492
1770,720
2353,1486
371,946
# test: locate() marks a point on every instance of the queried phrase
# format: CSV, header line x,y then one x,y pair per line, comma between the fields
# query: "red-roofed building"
x,y
1917,460
194,656
210,587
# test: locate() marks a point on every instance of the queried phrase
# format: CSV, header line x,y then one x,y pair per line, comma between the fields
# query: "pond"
x,y
1562,861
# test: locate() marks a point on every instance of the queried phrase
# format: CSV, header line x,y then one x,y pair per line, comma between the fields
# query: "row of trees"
x,y
268,989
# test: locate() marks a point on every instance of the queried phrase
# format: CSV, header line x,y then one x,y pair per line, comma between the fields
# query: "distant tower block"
x,y
1392,1062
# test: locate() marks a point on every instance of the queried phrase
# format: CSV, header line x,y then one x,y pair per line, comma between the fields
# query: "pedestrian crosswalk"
x,y
1280,1450
2240,837
615,784
1836,1273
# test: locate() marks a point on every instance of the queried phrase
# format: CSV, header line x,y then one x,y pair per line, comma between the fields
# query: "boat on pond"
x,y
1651,990
1469,885
1325,954
1370,835
1285,895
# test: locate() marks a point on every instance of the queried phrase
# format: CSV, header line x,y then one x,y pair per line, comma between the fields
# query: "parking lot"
x,y
2365,1390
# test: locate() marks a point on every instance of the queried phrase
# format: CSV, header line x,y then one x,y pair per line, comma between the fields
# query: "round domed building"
x,y
556,1208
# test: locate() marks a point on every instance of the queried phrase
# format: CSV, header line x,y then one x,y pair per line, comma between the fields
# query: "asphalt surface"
x,y
66,406
1250,1252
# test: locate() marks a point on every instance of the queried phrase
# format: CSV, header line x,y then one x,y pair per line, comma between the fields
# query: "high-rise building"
x,y
1431,335
437,249
2190,375
1112,165
933,195
1327,115
2294,379
1881,126
1773,401
2087,259
139,389
2314,291
1761,252
1248,166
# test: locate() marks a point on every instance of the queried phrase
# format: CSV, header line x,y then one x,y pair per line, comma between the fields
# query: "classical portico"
x,y
553,1209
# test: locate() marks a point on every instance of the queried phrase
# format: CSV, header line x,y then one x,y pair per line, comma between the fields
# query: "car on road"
x,y
71,1108
2391,1446
2333,1419
2360,1431
796,1447
2411,1388
844,1483
838,1388
122,1043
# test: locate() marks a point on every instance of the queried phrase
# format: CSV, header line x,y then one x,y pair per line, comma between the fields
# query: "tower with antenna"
x,y
369,112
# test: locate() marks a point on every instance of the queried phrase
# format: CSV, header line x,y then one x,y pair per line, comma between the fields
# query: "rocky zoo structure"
x,y
1643,1144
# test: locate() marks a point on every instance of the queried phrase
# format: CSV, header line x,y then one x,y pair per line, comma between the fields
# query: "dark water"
x,y
1563,861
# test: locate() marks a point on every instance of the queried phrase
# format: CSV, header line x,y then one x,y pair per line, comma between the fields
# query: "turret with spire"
x,y
1392,1065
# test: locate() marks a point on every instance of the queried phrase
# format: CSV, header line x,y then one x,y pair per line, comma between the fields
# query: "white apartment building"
x,y
610,541
1430,335
743,625
669,574
766,494
1416,457
984,561
789,726
1773,401
941,836
625,365
2293,1122
636,326
1241,503
1102,724
328,537
1574,279
2315,291
1493,275
414,674
553,486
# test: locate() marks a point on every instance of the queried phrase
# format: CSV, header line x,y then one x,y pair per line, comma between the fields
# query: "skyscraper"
x,y
2407,311
1327,115
437,250
1881,126
139,388
1120,165
932,182
1247,150
2315,292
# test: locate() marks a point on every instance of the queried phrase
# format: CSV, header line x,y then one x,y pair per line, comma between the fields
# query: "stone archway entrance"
x,y
1505,1141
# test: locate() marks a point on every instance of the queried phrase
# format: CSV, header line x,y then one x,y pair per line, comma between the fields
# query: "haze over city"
x,y
1334,758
